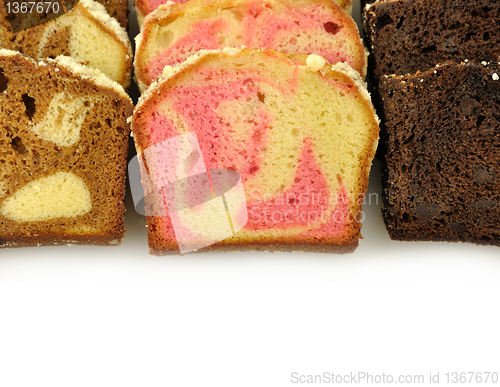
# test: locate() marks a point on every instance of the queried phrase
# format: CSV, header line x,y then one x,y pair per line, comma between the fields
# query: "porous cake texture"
x,y
63,150
145,7
442,167
173,32
300,132
117,9
87,33
405,36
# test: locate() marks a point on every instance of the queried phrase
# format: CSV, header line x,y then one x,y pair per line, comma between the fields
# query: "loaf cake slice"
x,y
172,33
63,153
145,7
404,36
442,167
300,132
86,33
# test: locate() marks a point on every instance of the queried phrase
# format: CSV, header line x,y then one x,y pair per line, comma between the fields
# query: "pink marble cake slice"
x,y
301,134
145,7
174,32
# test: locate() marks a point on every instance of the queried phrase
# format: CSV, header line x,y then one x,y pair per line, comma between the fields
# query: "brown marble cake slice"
x,y
86,33
442,163
63,150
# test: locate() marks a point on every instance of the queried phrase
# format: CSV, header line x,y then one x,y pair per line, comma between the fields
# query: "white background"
x,y
94,316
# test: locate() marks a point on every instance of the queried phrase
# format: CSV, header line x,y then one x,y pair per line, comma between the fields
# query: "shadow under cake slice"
x,y
441,176
63,150
301,133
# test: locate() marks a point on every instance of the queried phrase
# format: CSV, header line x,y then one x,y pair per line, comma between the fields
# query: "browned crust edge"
x,y
56,240
266,247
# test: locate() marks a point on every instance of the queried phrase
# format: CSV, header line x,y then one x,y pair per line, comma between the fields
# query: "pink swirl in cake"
x,y
144,7
171,34
301,140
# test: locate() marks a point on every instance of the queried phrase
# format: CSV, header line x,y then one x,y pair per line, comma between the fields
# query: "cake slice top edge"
x,y
170,71
162,11
76,68
346,69
313,62
85,72
492,66
143,13
5,53
99,12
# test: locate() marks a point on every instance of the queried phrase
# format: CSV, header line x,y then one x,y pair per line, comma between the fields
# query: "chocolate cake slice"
x,y
409,35
442,167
